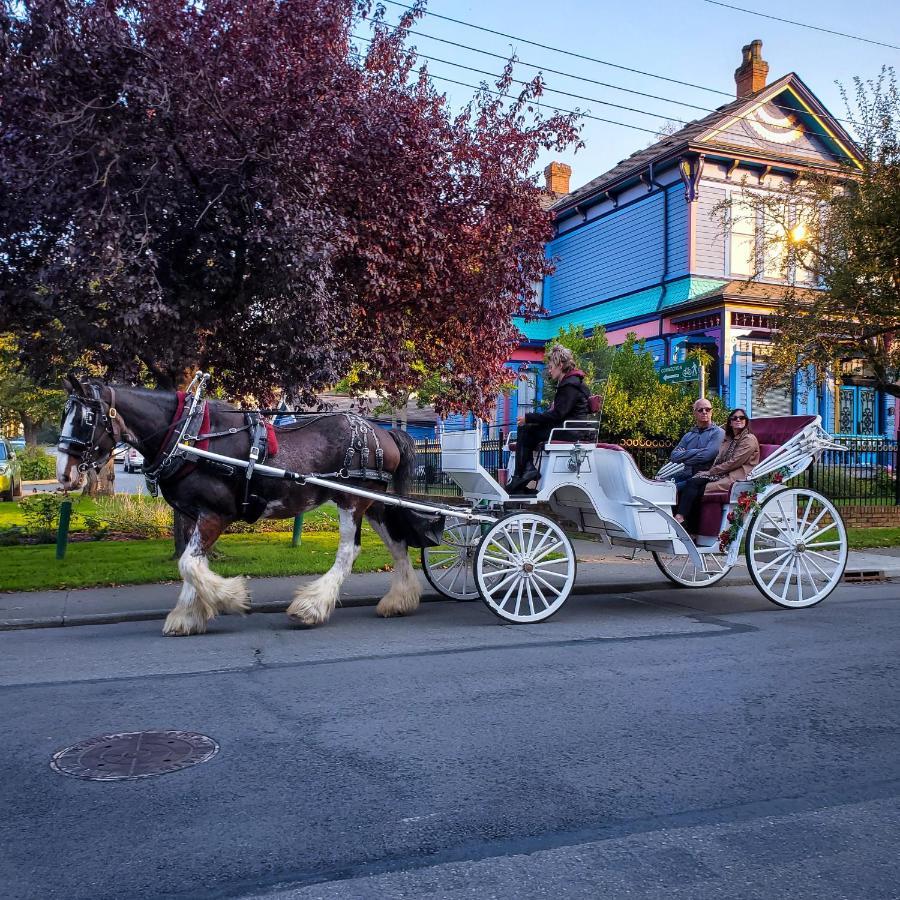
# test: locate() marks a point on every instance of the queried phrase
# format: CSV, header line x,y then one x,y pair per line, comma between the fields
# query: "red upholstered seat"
x,y
771,434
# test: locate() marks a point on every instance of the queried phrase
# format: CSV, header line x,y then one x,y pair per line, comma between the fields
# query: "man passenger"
x,y
698,448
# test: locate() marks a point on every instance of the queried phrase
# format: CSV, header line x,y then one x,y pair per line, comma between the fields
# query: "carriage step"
x,y
865,577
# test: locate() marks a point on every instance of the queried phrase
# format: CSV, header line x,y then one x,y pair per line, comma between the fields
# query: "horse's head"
x,y
87,435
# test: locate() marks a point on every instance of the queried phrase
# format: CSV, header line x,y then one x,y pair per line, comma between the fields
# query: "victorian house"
x,y
654,246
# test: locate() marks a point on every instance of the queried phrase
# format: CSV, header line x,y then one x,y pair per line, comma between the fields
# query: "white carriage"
x,y
514,553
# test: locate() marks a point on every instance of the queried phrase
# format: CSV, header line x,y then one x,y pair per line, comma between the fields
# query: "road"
x,y
665,744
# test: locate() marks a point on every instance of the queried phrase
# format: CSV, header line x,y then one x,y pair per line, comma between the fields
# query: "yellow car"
x,y
10,472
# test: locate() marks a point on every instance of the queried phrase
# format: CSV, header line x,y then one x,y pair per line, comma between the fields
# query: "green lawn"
x,y
11,514
861,538
95,563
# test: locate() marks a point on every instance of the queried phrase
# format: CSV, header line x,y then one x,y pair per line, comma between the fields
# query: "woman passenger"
x,y
737,456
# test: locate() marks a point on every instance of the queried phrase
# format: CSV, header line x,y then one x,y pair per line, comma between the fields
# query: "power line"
x,y
852,37
577,56
797,127
505,58
593,59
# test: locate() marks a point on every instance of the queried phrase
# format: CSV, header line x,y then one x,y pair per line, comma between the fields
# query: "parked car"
x,y
10,472
133,461
18,444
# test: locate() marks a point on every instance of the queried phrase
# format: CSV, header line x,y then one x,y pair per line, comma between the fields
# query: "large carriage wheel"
x,y
680,569
525,568
449,566
796,548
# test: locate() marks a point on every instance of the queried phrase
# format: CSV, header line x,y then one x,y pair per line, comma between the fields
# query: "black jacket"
x,y
571,402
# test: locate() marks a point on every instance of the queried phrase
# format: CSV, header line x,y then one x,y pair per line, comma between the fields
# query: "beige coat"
x,y
734,461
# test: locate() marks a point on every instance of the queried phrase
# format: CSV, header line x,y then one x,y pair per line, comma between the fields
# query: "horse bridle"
x,y
81,439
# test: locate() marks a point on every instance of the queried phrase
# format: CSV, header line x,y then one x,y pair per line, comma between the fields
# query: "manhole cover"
x,y
134,754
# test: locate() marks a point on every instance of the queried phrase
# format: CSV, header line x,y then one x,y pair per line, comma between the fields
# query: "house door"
x,y
857,410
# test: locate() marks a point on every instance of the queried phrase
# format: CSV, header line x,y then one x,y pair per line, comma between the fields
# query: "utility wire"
x,y
797,127
593,59
852,37
577,56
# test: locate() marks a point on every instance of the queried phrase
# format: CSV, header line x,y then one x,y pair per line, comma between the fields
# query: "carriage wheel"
x,y
680,570
525,568
449,566
796,548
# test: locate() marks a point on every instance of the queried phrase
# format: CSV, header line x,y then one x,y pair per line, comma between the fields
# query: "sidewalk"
x,y
600,571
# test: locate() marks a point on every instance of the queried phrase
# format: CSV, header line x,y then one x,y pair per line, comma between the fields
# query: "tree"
x,y
21,398
233,185
841,233
636,405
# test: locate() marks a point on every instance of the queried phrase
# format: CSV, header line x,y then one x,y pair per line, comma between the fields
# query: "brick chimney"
x,y
556,178
750,76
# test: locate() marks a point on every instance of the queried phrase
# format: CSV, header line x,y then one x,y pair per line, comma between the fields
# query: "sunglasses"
x,y
704,409
738,419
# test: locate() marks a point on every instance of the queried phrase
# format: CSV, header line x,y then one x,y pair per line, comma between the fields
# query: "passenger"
x,y
737,457
698,448
570,402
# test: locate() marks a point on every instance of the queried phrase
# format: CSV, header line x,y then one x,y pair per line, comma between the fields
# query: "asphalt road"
x,y
669,744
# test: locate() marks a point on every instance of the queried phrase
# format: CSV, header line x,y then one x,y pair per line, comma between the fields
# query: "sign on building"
x,y
679,372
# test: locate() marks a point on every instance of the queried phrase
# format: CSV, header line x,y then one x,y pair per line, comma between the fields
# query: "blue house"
x,y
644,248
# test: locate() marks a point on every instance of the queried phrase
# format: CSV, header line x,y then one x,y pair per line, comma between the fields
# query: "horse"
x,y
99,416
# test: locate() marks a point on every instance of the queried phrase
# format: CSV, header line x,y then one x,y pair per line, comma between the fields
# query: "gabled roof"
x,y
710,133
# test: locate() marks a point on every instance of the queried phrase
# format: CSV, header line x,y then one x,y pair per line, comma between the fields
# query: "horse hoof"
x,y
183,624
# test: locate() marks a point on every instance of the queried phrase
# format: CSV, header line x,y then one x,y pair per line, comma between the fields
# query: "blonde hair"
x,y
561,357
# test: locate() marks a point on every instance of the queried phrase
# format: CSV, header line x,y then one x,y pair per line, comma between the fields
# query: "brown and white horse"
x,y
97,416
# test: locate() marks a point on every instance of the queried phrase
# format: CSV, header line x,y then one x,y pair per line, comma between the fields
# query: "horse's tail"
x,y
406,471
407,525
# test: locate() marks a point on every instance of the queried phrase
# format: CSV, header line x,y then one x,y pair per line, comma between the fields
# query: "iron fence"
x,y
866,474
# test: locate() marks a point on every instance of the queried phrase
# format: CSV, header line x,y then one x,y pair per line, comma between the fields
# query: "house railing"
x,y
866,474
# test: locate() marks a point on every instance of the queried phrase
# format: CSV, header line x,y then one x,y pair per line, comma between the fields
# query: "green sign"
x,y
686,371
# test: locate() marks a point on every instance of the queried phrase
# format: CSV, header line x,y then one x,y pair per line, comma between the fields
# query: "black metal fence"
x,y
866,474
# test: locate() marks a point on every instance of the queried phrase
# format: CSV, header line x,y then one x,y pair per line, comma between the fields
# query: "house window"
x,y
774,249
743,236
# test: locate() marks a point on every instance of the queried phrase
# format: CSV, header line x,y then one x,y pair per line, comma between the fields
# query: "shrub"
x,y
37,465
149,517
41,514
12,534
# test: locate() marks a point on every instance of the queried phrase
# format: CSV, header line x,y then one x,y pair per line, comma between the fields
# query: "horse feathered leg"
x,y
314,603
403,597
204,594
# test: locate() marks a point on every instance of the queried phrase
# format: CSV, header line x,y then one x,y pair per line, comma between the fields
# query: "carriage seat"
x,y
771,433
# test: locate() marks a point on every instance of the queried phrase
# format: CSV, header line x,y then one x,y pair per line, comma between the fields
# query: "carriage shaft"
x,y
388,499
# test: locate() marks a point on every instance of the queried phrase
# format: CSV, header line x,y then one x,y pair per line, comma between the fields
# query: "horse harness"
x,y
171,463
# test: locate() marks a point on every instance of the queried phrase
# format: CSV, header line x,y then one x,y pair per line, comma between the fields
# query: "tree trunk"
x,y
102,483
30,427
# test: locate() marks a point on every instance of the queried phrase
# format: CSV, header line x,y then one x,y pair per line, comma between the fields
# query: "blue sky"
x,y
694,41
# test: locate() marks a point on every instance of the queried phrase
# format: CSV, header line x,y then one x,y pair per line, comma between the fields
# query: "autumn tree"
x,y
835,240
234,185
22,400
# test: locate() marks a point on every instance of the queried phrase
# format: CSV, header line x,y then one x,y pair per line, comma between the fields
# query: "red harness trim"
x,y
273,439
188,467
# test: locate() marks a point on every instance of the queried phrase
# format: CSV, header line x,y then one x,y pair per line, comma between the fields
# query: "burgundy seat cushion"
x,y
711,512
766,450
779,429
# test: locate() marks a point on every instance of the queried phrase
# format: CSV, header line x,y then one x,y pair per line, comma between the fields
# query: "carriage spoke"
x,y
825,556
821,571
508,594
530,596
771,562
781,568
540,593
787,518
824,544
543,581
497,561
547,552
820,532
545,571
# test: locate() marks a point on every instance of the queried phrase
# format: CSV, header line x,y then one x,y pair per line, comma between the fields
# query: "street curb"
x,y
145,615
851,576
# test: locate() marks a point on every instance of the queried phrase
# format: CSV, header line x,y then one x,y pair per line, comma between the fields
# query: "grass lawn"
x,y
95,563
860,538
11,514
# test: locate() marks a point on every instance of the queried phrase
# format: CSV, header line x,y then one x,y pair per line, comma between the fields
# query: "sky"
x,y
695,41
